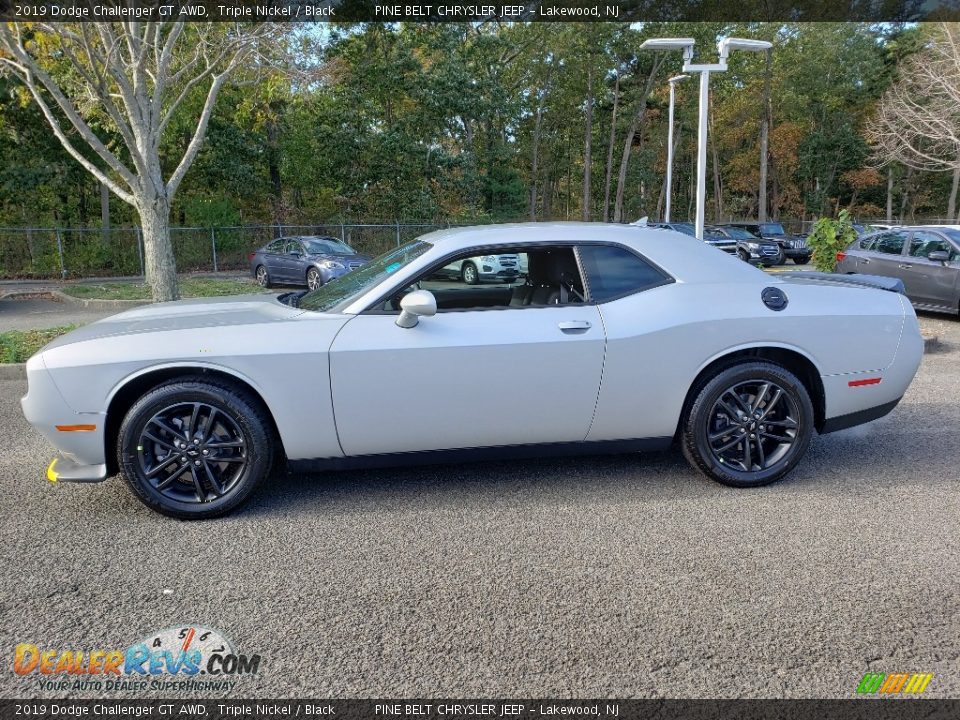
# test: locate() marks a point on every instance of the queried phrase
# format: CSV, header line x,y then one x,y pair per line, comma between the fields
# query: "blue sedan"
x,y
310,261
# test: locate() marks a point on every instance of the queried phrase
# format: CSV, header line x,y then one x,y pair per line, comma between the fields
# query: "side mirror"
x,y
939,256
415,304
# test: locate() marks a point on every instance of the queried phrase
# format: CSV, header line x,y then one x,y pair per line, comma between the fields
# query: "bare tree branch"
x,y
917,122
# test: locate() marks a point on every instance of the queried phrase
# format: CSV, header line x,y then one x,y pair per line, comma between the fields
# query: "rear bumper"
x,y
842,422
857,398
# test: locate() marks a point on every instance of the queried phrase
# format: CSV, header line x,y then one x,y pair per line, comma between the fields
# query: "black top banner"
x,y
388,11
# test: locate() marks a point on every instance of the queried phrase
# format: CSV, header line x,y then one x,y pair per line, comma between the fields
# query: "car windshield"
x,y
360,280
772,229
741,234
952,234
327,246
685,228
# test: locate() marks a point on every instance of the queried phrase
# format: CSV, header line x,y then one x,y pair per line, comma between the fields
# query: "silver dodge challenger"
x,y
616,338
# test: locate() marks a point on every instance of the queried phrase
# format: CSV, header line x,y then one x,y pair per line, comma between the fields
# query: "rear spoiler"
x,y
877,282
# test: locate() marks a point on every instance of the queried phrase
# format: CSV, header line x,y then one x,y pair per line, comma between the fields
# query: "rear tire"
x,y
801,261
194,449
469,274
263,276
749,425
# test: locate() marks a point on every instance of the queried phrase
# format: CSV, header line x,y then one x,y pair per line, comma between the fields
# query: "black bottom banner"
x,y
873,709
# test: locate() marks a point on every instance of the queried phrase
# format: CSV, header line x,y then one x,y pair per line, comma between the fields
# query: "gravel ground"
x,y
608,577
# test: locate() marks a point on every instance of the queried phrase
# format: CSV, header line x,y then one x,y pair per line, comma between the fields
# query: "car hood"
x,y
184,314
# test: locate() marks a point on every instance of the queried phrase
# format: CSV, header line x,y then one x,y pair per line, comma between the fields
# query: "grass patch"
x,y
16,346
189,288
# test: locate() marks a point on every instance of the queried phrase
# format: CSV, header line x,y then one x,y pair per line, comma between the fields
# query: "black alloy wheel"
x,y
749,425
194,448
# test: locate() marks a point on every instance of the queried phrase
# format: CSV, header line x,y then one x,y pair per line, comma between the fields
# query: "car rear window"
x,y
772,229
614,272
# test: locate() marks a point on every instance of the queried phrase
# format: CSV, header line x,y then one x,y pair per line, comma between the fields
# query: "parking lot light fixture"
x,y
673,82
724,47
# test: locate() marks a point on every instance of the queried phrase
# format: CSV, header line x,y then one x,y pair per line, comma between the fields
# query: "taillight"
x,y
251,256
841,255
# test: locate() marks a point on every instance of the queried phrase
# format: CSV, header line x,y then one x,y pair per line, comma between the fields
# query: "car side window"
x,y
293,246
276,246
866,243
890,243
614,272
507,278
924,243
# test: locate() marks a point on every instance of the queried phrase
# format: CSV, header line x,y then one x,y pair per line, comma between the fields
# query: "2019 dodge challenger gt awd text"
x,y
618,338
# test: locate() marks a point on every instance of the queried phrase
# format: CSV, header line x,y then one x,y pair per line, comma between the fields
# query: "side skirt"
x,y
503,452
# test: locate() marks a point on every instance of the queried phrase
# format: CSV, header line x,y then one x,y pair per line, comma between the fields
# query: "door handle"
x,y
905,266
865,261
574,325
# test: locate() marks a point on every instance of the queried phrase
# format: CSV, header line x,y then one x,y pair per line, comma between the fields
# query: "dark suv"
x,y
720,242
792,246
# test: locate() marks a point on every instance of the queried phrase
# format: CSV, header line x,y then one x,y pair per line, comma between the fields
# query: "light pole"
x,y
673,82
723,48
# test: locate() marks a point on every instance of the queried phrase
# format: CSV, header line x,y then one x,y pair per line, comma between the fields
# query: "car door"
x,y
930,282
885,256
290,261
271,258
467,378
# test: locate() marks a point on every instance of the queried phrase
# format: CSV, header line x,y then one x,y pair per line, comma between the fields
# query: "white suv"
x,y
505,268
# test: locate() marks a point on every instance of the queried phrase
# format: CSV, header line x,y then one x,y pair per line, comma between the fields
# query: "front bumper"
x,y
79,437
67,470
792,252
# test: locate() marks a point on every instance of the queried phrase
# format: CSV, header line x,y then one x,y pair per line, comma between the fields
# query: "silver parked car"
x,y
620,339
926,258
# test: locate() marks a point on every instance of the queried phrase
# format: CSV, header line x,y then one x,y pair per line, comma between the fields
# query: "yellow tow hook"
x,y
51,473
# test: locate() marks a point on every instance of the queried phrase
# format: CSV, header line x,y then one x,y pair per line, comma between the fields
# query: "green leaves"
x,y
830,237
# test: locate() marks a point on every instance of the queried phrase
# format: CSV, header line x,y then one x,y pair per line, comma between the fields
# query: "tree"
x,y
917,122
131,77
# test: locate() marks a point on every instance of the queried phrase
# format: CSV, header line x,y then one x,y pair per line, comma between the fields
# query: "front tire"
x,y
194,448
743,256
801,260
781,258
749,425
469,274
314,280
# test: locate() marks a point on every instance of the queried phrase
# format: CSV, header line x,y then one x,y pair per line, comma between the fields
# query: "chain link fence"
x,y
48,253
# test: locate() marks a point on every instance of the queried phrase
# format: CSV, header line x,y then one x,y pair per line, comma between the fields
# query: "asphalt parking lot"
x,y
40,313
614,576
